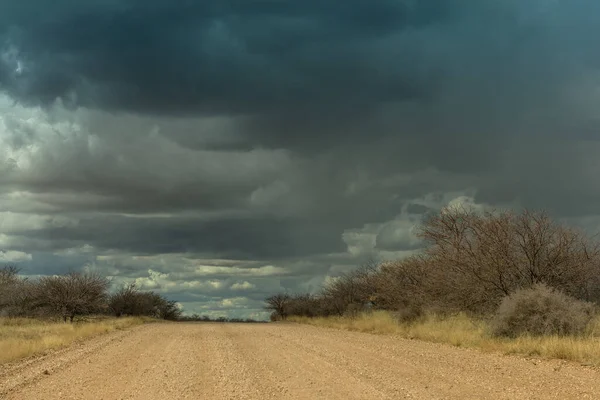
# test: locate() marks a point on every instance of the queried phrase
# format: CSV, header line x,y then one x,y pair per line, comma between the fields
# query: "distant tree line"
x,y
77,294
473,262
206,318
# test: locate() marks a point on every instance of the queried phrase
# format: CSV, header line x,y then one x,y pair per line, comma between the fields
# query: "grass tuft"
x,y
462,331
24,337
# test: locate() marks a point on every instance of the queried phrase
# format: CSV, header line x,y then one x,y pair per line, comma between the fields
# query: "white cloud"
x,y
10,256
10,57
155,280
75,251
399,233
465,202
234,302
242,286
202,285
183,267
270,194
267,270
360,241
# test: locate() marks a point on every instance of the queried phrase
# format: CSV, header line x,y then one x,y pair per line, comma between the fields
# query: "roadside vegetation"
x,y
518,283
206,318
54,311
75,294
24,337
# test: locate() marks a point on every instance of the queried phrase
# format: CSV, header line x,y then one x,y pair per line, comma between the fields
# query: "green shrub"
x,y
540,311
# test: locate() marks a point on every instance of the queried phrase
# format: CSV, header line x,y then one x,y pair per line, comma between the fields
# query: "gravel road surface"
x,y
283,361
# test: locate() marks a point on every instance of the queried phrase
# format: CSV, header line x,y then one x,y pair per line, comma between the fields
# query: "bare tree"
x,y
305,305
474,260
352,290
73,294
128,300
401,284
124,301
9,274
279,304
16,294
478,258
8,280
169,309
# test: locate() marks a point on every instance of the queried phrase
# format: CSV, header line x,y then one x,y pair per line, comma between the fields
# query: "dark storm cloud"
x,y
308,73
459,76
50,264
229,238
249,56
287,130
210,56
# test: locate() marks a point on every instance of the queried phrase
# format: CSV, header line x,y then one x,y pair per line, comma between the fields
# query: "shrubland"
x,y
24,337
37,315
501,281
77,294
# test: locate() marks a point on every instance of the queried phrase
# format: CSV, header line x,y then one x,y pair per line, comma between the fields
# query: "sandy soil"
x,y
284,361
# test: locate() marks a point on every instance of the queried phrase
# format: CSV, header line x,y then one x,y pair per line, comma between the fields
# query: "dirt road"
x,y
284,361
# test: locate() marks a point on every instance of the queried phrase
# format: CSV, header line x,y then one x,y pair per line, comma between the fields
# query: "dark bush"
x,y
409,313
351,290
472,261
279,304
478,258
403,287
353,310
304,305
72,294
128,300
541,310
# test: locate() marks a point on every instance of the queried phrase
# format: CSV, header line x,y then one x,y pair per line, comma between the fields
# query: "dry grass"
x,y
462,331
377,322
24,337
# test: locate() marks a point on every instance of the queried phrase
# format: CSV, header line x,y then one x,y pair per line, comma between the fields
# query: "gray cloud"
x,y
209,56
297,137
237,238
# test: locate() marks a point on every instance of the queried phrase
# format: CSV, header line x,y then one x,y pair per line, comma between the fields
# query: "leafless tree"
x,y
128,300
73,294
477,258
400,284
9,282
9,274
305,305
279,303
473,261
353,290
124,301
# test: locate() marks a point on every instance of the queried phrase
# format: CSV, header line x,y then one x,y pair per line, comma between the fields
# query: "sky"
x,y
219,151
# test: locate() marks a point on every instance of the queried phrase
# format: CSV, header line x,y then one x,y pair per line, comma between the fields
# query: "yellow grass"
x,y
462,331
24,337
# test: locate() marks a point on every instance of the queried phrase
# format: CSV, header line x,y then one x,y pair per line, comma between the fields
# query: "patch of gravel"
x,y
284,361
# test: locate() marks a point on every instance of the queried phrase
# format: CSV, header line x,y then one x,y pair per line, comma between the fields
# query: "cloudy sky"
x,y
218,151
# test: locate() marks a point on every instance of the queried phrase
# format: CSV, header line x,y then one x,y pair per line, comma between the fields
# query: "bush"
x,y
475,259
77,294
539,311
353,310
279,304
128,300
471,262
72,294
303,305
410,313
